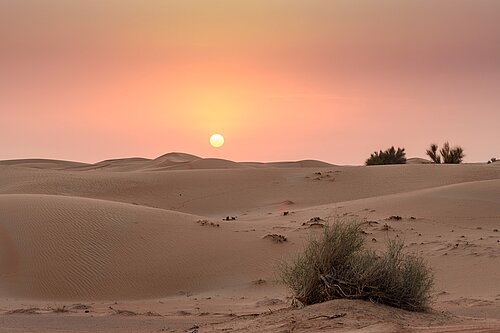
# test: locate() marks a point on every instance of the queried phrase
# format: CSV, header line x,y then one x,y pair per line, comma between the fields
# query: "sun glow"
x,y
217,140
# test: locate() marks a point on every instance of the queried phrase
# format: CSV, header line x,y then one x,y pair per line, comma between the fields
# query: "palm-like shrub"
x,y
389,156
337,265
449,155
432,153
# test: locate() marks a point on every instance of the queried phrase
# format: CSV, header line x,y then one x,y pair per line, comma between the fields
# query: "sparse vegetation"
x,y
389,156
337,265
25,311
276,238
386,227
432,152
448,155
208,223
314,222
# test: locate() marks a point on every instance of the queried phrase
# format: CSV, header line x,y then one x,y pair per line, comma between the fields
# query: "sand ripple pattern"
x,y
77,248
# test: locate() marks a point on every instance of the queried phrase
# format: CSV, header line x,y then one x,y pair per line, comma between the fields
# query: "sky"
x,y
89,80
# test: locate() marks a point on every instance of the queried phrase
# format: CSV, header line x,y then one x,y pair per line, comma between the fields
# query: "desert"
x,y
260,166
140,245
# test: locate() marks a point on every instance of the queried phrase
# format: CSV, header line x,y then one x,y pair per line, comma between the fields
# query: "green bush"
x,y
337,265
449,155
389,156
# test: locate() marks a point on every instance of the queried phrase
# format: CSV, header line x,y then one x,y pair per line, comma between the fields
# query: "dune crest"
x,y
43,164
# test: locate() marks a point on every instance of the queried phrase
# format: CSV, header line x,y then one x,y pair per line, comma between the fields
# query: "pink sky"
x,y
89,80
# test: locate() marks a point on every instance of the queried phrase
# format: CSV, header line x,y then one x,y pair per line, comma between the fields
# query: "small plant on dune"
x,y
449,155
452,155
389,156
432,153
337,265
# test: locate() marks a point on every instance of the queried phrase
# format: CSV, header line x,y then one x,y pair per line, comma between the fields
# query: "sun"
x,y
217,140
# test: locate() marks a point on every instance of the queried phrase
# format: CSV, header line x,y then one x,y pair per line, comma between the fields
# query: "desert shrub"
x,y
452,155
337,265
389,156
432,153
449,155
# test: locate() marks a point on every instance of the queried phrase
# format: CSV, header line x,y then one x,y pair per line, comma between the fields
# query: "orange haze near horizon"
x,y
280,80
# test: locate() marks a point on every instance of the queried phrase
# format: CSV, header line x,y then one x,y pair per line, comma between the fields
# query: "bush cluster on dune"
x,y
449,155
389,156
337,265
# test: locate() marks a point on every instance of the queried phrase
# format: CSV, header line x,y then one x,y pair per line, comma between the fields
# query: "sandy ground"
x,y
139,245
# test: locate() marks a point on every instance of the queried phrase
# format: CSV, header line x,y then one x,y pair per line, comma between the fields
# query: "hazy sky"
x,y
281,79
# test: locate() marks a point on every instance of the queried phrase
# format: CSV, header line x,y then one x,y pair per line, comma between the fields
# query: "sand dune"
x,y
202,163
175,158
453,226
150,233
216,192
348,316
169,160
43,164
181,161
418,160
58,247
292,164
121,164
456,202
